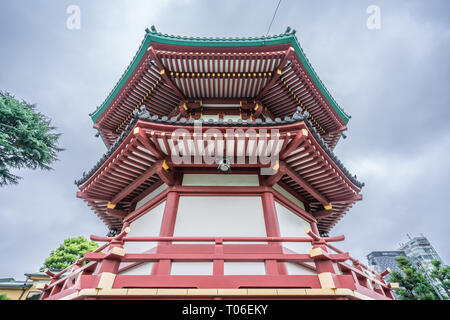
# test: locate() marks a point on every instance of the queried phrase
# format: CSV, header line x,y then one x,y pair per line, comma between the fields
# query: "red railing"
x,y
87,276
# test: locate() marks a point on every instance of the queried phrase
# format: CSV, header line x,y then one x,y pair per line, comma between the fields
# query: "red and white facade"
x,y
187,231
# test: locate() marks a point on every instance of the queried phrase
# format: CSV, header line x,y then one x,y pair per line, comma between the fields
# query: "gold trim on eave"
x,y
111,205
276,166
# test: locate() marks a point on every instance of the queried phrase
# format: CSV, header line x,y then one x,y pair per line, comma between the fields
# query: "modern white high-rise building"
x,y
418,250
421,251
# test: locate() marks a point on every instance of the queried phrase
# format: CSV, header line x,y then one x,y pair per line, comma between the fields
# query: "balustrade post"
x,y
324,265
109,266
112,262
218,264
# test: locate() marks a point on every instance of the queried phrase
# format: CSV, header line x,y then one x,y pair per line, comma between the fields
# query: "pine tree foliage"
x,y
68,253
442,273
4,297
413,283
27,139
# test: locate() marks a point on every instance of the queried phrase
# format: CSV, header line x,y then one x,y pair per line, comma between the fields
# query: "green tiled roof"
x,y
154,36
38,274
10,282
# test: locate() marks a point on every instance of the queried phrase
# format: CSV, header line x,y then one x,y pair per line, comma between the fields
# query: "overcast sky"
x,y
394,82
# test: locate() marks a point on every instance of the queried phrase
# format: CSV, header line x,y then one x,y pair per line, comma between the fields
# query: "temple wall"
x,y
222,216
142,269
244,268
148,225
192,268
292,225
297,269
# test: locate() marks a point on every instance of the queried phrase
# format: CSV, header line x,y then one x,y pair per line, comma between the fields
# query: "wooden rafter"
x,y
276,74
133,185
307,187
162,71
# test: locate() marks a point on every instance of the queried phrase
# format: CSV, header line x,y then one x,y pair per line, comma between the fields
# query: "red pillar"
x,y
314,228
272,230
110,265
167,227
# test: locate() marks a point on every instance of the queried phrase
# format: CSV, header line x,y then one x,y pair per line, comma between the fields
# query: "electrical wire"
x,y
273,18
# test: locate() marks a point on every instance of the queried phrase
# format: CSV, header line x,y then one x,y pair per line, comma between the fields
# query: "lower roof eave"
x,y
154,130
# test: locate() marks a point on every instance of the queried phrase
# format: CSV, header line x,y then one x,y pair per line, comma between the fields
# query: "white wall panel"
x,y
220,180
220,216
296,269
244,268
147,225
292,225
192,268
142,269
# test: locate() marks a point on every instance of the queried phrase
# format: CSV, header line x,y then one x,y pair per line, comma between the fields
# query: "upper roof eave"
x,y
154,36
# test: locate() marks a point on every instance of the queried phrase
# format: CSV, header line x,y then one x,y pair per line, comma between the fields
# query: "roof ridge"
x,y
153,30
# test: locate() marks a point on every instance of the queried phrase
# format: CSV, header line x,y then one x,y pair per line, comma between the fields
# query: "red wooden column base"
x,y
111,264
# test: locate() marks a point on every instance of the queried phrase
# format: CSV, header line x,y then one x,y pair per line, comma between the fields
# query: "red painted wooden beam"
x,y
182,108
357,197
165,175
277,74
258,109
273,179
322,214
142,137
305,185
101,128
385,272
248,281
132,186
87,197
294,143
117,213
340,257
174,112
150,257
162,71
329,133
289,189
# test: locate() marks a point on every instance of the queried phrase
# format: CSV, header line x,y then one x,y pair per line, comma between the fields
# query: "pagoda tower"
x,y
220,180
